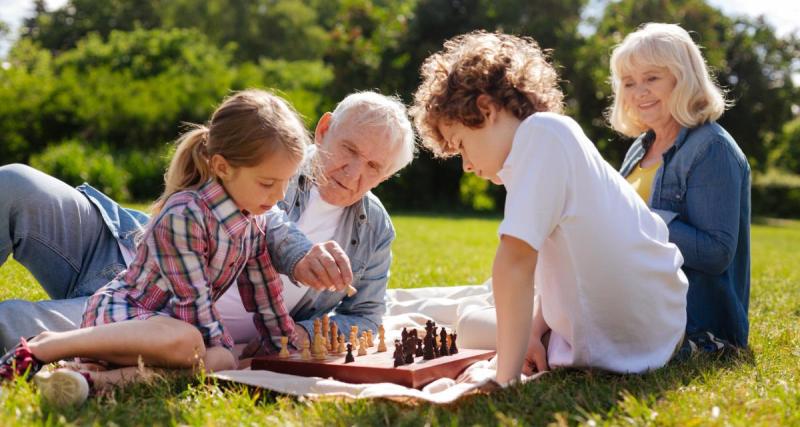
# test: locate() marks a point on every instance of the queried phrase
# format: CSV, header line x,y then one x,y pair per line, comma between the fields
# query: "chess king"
x,y
365,140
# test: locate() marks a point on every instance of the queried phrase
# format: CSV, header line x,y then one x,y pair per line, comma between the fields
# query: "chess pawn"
x,y
370,342
362,348
453,347
319,350
381,339
349,357
353,338
354,330
443,350
284,353
419,351
341,348
399,360
305,354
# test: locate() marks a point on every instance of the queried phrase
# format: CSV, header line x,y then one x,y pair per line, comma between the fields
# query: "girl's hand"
x,y
325,267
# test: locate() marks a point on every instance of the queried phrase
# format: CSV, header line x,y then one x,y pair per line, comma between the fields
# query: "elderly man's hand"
x,y
325,267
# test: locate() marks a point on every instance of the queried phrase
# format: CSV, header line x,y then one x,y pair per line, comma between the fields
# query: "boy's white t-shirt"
x,y
610,282
318,222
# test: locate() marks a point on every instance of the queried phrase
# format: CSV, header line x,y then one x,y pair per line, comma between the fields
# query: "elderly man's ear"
x,y
323,125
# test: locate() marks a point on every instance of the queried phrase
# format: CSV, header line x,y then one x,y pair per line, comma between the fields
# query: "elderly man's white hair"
x,y
382,115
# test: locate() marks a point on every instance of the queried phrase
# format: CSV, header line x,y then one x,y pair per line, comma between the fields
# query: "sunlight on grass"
x,y
755,388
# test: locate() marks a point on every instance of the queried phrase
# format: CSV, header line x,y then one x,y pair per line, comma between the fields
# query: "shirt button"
x,y
362,217
354,242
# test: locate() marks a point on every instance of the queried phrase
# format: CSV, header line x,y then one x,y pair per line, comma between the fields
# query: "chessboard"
x,y
375,367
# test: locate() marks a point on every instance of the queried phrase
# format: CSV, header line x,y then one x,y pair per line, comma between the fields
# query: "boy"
x,y
608,283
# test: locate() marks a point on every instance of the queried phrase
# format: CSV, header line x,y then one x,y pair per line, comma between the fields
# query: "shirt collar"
x,y
650,137
223,207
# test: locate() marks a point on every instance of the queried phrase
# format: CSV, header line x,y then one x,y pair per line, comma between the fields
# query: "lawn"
x,y
759,387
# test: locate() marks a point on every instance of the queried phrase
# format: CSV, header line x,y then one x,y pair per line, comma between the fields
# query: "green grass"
x,y
759,387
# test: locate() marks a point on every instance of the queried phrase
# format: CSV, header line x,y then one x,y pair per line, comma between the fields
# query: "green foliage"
x,y
75,163
759,387
146,172
474,192
776,193
787,151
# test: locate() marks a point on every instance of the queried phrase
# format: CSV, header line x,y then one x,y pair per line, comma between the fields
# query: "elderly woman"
x,y
690,171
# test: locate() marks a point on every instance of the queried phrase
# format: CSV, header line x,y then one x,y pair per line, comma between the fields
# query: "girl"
x,y
206,233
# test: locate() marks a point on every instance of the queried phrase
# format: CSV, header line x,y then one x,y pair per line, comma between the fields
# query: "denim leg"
x,y
55,232
20,318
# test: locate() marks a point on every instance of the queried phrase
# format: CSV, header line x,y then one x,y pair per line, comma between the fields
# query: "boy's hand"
x,y
325,267
535,357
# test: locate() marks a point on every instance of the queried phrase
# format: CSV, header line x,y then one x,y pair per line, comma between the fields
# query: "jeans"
x,y
60,237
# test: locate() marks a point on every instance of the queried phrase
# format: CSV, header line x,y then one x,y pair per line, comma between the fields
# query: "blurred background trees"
x,y
97,90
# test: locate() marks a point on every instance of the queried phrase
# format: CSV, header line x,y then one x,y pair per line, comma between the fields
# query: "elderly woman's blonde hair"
x,y
696,98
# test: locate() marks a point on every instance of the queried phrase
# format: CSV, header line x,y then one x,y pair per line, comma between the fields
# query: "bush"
x,y
75,163
146,172
776,194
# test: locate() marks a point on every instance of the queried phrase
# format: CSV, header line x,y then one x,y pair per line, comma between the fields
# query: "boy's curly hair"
x,y
512,70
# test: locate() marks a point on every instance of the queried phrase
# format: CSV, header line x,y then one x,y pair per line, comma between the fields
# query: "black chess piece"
x,y
408,350
419,351
443,350
428,325
453,348
399,360
349,357
403,336
428,347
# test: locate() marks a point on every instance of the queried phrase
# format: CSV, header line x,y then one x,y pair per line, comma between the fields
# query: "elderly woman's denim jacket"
x,y
365,233
702,191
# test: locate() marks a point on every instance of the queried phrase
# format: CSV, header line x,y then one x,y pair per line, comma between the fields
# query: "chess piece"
x,y
334,338
349,357
284,353
399,360
326,330
362,346
318,353
429,346
408,349
341,348
419,351
403,336
305,354
381,339
453,348
443,350
370,342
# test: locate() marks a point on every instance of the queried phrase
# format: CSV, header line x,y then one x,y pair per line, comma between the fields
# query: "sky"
x,y
783,14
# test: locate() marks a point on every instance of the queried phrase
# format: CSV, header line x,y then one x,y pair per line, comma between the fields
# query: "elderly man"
x,y
76,240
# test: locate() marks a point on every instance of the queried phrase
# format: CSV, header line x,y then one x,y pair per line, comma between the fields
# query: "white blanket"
x,y
409,308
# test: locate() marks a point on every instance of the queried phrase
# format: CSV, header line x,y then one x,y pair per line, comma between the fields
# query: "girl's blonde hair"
x,y
247,126
696,99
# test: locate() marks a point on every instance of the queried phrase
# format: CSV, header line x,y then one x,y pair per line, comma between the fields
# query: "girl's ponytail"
x,y
189,166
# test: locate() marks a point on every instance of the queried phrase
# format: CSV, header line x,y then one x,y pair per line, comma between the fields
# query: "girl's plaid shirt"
x,y
198,245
